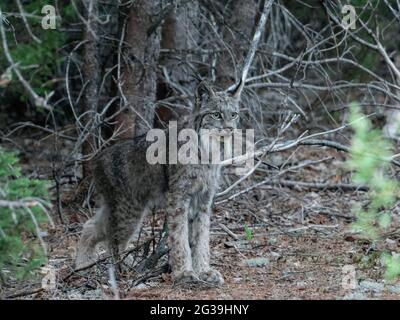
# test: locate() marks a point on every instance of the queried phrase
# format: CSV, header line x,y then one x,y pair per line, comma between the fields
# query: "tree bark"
x,y
237,35
178,34
92,76
139,76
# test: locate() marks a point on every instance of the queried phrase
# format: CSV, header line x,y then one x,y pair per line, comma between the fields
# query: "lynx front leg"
x,y
178,238
200,245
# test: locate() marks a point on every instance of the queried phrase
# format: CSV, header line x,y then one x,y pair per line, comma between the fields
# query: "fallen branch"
x,y
151,274
319,186
152,260
314,227
228,231
299,166
294,143
122,255
24,293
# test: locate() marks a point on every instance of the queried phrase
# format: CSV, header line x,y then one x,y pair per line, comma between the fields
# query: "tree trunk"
x,y
92,76
237,35
139,64
178,34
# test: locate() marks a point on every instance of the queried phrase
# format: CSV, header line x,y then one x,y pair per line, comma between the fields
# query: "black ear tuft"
x,y
236,91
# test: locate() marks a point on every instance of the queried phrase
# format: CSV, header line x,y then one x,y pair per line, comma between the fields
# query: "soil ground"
x,y
284,242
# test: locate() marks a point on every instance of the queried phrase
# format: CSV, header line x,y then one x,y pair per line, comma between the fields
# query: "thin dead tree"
x,y
92,78
266,6
236,30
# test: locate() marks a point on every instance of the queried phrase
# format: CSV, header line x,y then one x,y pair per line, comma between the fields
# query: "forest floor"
x,y
283,242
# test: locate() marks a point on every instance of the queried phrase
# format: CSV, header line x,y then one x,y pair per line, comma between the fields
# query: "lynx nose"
x,y
227,131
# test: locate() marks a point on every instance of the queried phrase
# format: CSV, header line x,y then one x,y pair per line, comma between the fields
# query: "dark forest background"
x,y
111,70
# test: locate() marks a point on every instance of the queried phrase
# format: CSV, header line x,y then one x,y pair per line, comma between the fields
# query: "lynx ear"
x,y
236,90
203,92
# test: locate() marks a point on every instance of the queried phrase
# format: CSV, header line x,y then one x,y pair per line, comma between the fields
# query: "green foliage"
x,y
20,250
248,233
38,62
370,155
43,55
368,59
392,264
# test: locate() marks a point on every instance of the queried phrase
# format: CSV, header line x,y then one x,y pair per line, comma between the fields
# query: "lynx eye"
x,y
216,115
234,115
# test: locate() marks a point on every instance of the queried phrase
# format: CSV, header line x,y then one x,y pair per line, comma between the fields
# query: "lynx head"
x,y
217,111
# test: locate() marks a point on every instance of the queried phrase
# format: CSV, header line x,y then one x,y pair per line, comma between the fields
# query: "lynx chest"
x,y
204,178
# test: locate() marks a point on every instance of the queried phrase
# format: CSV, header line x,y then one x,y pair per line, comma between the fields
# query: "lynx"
x,y
130,187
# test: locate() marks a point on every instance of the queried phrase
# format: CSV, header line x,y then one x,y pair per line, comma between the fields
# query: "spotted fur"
x,y
130,187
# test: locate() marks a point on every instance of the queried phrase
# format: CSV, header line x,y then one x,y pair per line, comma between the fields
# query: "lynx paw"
x,y
187,276
212,276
